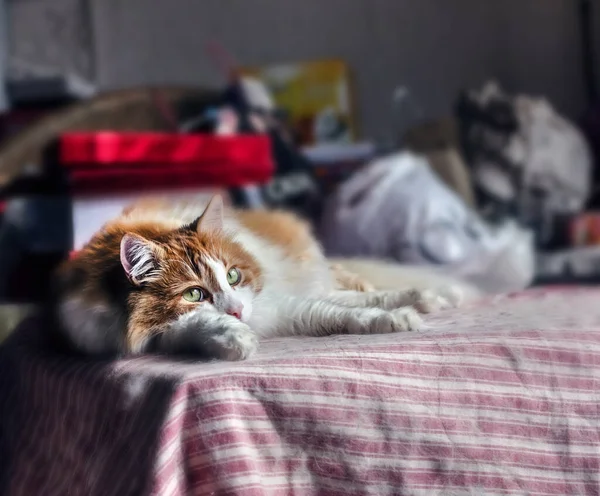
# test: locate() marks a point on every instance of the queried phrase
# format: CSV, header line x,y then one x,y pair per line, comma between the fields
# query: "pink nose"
x,y
236,311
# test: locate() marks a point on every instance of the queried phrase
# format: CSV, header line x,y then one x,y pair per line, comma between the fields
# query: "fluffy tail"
x,y
390,276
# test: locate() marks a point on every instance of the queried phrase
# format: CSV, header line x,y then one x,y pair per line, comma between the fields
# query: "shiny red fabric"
x,y
108,161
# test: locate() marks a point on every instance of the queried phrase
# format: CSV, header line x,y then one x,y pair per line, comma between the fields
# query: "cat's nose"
x,y
236,310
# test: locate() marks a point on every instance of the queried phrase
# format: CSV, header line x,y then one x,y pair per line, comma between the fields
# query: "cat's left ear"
x,y
139,258
212,218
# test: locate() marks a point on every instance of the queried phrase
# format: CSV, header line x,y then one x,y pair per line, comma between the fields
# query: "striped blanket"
x,y
497,398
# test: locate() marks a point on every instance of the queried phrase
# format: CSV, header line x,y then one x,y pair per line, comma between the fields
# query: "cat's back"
x,y
284,246
286,231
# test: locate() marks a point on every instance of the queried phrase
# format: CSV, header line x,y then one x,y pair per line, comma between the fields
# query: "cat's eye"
x,y
194,295
233,276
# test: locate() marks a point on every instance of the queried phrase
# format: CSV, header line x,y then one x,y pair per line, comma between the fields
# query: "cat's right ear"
x,y
139,258
212,218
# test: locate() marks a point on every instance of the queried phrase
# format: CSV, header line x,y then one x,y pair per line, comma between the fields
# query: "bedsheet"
x,y
500,397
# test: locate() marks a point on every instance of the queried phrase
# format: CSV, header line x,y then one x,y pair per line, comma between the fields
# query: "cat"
x,y
160,278
368,274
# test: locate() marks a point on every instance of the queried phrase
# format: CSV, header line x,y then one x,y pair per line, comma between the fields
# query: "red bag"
x,y
105,162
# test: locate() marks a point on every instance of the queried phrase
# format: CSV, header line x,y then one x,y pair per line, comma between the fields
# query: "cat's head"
x,y
135,278
196,268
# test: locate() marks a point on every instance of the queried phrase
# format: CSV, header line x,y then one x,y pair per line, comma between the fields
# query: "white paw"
x,y
434,300
238,342
407,319
375,321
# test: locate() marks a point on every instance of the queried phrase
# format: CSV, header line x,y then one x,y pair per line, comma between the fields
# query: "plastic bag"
x,y
397,208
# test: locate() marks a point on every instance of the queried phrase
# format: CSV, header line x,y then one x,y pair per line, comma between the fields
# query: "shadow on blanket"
x,y
66,425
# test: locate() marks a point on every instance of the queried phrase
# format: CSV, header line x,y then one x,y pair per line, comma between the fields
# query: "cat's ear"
x,y
212,218
139,258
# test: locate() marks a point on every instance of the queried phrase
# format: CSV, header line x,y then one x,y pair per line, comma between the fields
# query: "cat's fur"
x,y
123,293
392,276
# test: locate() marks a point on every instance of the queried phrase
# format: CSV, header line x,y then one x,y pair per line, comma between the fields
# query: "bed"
x,y
500,397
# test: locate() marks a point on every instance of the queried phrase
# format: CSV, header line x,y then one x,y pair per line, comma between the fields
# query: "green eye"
x,y
193,295
233,276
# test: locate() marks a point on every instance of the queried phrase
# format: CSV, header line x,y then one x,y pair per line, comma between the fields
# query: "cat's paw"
x,y
361,285
376,321
237,342
407,319
346,280
434,300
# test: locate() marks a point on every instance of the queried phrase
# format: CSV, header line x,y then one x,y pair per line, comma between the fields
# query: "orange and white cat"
x,y
161,278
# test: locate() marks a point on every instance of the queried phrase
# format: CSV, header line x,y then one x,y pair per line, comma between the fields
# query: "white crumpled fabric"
x,y
397,208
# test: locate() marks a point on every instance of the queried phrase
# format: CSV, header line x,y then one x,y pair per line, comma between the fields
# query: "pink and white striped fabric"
x,y
496,398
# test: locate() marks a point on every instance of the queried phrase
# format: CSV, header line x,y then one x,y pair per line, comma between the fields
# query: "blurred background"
x,y
459,135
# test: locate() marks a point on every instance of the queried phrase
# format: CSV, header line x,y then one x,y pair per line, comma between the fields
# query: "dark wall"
x,y
428,45
541,42
434,47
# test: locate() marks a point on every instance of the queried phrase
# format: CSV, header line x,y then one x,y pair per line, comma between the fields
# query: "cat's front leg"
x,y
378,321
425,301
346,280
298,317
209,334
